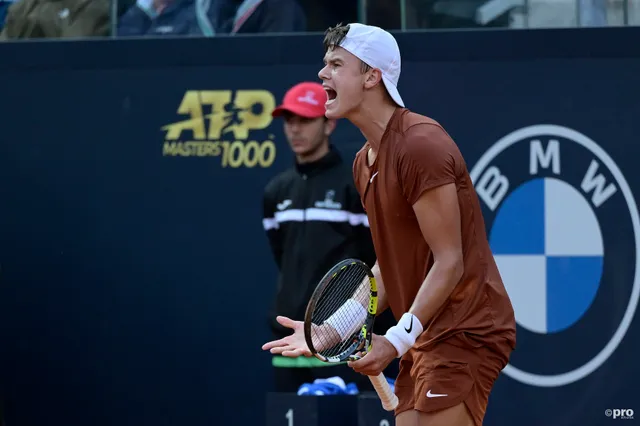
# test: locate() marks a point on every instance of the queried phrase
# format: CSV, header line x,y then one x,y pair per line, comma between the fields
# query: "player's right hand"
x,y
293,345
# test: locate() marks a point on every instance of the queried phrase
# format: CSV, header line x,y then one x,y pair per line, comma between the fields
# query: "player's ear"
x,y
329,127
372,78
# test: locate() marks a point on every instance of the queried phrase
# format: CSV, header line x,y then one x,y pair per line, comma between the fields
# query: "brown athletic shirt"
x,y
415,155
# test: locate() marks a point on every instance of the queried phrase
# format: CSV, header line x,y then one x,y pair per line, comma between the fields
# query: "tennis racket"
x,y
339,320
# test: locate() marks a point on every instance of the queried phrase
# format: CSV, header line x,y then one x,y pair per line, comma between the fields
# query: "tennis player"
x,y
435,269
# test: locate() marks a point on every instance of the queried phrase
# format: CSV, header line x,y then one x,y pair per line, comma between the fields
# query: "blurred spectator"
x,y
437,14
170,17
322,14
593,13
56,19
4,5
262,16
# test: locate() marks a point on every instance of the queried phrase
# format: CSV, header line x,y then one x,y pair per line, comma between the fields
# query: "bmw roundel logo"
x,y
564,229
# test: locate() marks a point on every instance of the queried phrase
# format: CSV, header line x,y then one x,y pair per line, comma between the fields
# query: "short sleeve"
x,y
428,159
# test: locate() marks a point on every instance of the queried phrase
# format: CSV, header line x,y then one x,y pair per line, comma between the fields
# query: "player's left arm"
x,y
429,167
438,215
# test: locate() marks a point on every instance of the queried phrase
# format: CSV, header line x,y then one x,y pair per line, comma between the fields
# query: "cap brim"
x,y
393,91
303,112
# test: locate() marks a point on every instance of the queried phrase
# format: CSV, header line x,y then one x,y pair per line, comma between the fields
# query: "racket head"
x,y
334,289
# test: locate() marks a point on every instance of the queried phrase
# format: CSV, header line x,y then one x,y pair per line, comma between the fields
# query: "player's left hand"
x,y
374,362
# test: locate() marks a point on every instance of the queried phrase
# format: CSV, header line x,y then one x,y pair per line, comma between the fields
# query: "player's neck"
x,y
372,118
315,155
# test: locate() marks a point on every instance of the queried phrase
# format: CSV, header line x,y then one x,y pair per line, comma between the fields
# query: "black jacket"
x,y
313,218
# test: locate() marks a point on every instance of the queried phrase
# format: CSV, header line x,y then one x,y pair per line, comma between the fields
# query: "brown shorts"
x,y
450,372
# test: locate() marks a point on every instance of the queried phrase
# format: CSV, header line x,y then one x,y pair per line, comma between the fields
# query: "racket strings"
x,y
342,287
343,301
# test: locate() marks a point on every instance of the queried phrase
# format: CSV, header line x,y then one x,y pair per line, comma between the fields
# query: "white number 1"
x,y
289,417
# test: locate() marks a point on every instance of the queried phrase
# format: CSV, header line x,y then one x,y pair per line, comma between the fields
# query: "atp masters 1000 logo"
x,y
232,125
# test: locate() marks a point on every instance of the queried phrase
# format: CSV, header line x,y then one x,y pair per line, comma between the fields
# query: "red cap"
x,y
305,99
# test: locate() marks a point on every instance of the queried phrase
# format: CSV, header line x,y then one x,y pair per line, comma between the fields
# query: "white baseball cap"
x,y
379,49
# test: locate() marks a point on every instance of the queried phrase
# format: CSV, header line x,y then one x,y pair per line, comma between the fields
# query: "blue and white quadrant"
x,y
548,247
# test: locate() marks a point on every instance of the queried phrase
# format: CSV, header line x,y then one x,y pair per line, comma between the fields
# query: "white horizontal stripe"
x,y
269,223
314,214
354,219
293,215
327,215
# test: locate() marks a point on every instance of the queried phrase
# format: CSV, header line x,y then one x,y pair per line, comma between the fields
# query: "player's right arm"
x,y
356,309
332,331
335,329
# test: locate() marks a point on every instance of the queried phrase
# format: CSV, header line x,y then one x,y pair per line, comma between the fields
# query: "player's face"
x,y
305,135
344,82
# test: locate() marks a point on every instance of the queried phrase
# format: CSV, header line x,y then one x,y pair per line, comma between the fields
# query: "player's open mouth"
x,y
331,95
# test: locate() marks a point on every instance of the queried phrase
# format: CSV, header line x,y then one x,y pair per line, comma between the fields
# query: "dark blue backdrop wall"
x,y
134,272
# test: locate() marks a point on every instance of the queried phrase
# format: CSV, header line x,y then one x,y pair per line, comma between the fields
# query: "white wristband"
x,y
348,319
404,334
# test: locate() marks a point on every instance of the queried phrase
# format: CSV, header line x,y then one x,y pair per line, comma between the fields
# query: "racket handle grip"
x,y
388,398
